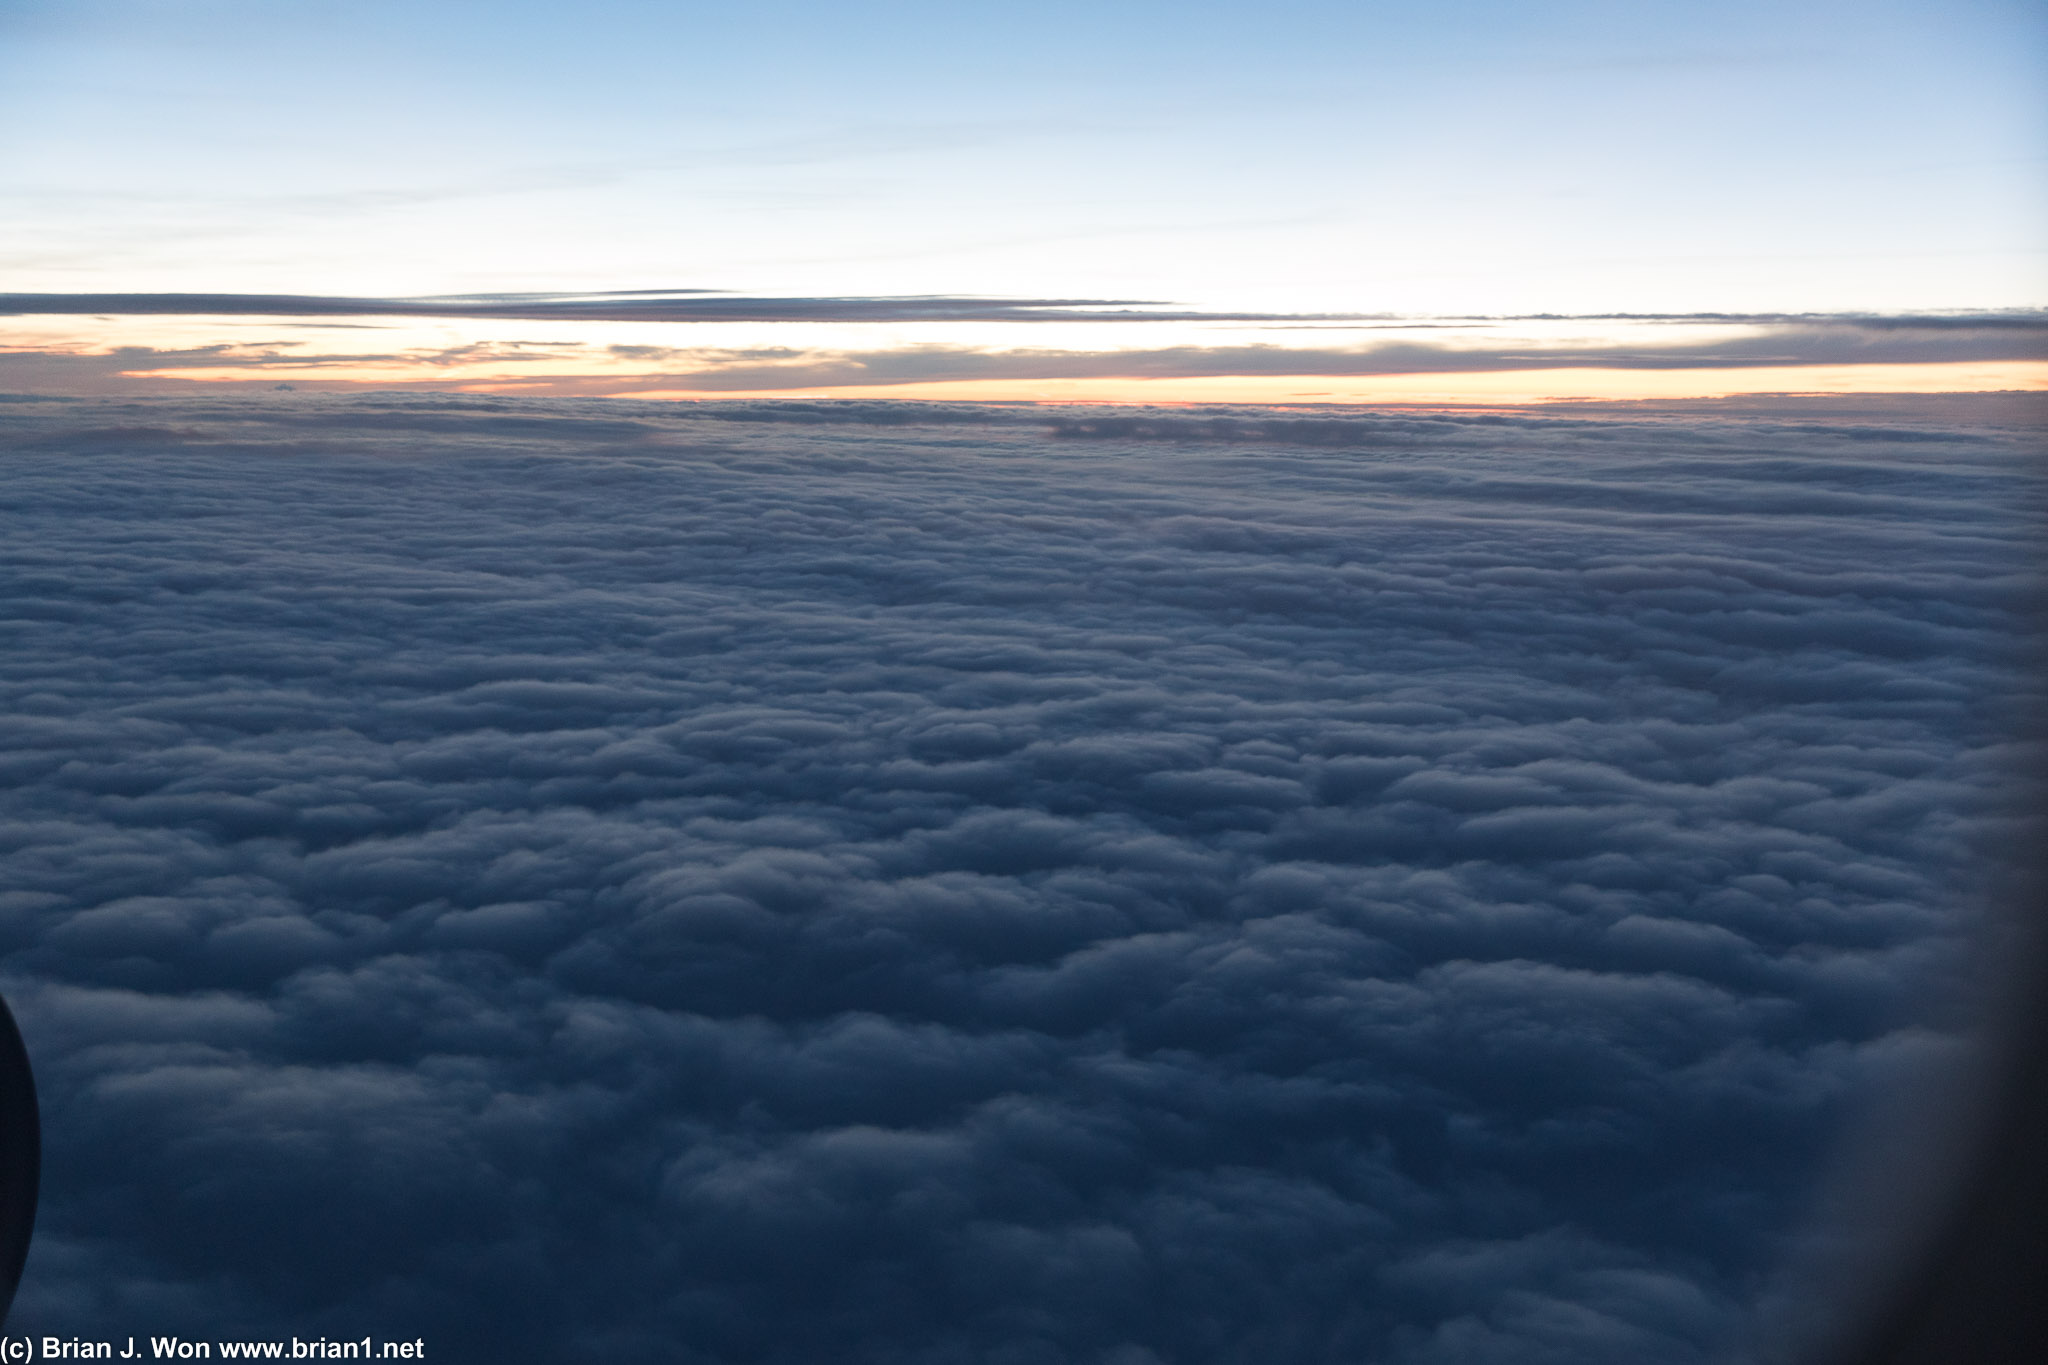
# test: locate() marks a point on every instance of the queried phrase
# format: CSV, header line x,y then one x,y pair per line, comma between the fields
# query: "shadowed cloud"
x,y
820,882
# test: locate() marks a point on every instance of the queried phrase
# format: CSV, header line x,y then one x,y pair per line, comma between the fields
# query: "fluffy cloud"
x,y
808,882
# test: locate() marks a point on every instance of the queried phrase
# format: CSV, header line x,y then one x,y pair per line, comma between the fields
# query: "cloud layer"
x,y
810,882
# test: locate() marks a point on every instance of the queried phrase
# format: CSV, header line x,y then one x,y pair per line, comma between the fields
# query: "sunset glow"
x,y
1448,360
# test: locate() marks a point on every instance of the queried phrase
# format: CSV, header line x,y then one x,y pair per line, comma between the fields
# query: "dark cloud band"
x,y
629,306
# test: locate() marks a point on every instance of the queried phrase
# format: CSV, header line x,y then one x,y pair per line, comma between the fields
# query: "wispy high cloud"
x,y
712,305
637,305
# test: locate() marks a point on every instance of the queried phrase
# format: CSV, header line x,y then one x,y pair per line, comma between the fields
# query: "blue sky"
x,y
1458,158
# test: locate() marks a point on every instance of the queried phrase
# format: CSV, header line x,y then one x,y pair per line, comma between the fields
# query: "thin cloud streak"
x,y
637,305
712,305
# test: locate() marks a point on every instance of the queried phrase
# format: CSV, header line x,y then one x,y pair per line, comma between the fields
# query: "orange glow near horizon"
x,y
1482,387
1451,361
